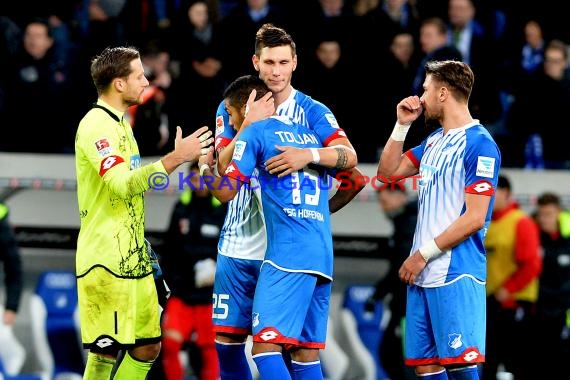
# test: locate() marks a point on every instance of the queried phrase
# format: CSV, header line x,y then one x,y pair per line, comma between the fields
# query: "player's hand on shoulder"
x,y
409,109
191,147
291,159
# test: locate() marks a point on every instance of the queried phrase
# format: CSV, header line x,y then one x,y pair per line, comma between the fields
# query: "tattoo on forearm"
x,y
342,159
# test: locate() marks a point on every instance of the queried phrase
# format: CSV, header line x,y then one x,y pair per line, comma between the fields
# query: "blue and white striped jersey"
x,y
243,234
465,160
296,210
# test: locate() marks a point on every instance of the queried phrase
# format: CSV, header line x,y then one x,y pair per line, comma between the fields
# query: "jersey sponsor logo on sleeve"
x,y
219,125
135,161
332,120
481,187
108,162
103,147
485,167
239,149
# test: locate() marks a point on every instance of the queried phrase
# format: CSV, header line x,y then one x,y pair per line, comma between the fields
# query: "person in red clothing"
x,y
188,263
514,264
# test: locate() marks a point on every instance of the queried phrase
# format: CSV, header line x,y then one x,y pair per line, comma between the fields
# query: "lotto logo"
x,y
470,356
105,342
481,187
108,162
484,186
269,335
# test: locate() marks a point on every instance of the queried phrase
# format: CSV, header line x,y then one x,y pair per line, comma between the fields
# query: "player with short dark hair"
x,y
290,307
243,242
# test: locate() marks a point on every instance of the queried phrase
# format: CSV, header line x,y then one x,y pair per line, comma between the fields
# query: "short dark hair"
x,y
270,35
238,91
457,75
112,63
548,198
504,183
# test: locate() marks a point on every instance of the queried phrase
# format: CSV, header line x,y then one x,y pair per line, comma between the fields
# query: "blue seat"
x,y
55,325
363,330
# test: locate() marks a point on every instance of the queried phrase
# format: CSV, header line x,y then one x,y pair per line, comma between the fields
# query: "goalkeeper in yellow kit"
x,y
118,303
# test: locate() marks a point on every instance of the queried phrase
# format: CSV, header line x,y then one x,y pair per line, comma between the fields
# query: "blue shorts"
x,y
234,287
291,308
446,325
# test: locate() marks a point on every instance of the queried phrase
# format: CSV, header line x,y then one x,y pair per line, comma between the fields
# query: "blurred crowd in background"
x,y
359,57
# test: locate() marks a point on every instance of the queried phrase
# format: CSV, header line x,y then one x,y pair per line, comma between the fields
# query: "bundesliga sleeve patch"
x,y
219,125
108,162
481,187
103,147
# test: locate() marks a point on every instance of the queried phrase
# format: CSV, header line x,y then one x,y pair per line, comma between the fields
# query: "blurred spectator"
x,y
362,7
149,119
479,48
100,24
239,28
402,211
36,88
197,50
188,263
58,13
552,340
145,20
532,53
10,43
326,76
513,267
389,18
12,353
401,64
535,98
525,56
434,46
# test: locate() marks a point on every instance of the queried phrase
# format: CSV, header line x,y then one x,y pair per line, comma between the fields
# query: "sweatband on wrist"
x,y
203,168
430,250
316,155
400,131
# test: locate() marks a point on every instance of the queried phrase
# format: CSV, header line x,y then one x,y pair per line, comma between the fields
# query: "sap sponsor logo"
x,y
135,161
426,174
485,167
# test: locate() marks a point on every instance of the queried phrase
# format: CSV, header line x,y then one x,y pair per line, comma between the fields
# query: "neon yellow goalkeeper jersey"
x,y
110,188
